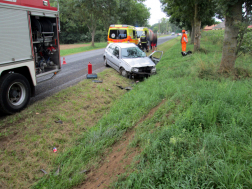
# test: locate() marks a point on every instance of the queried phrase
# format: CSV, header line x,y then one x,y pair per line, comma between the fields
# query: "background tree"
x,y
190,13
90,12
133,12
164,25
72,29
237,14
80,19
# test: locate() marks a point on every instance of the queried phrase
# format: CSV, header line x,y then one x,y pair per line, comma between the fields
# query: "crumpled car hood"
x,y
139,62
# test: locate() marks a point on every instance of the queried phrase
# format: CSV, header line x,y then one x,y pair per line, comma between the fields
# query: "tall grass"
x,y
204,135
200,138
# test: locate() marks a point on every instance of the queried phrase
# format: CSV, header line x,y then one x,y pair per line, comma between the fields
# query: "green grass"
x,y
199,138
83,49
93,143
203,138
27,138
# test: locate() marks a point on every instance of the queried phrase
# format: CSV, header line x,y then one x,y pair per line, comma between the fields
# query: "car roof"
x,y
124,45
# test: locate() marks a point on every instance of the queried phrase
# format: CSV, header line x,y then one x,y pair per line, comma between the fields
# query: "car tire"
x,y
105,62
124,73
15,93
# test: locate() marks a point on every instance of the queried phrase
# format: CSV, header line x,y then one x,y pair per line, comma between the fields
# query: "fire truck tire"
x,y
15,93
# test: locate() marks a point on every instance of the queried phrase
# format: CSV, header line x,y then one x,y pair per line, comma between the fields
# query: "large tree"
x,y
71,28
133,12
91,12
237,14
192,12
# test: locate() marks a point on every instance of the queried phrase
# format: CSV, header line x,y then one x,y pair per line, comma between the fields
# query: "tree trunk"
x,y
193,32
93,35
92,27
197,25
232,22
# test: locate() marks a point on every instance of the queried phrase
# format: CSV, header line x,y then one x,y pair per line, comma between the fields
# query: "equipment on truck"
x,y
29,50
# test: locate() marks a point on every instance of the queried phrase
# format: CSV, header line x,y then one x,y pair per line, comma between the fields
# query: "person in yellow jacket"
x,y
184,41
143,40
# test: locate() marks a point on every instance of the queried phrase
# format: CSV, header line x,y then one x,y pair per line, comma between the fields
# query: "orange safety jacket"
x,y
184,39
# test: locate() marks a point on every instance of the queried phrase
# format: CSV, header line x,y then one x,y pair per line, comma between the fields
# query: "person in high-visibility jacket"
x,y
143,40
184,41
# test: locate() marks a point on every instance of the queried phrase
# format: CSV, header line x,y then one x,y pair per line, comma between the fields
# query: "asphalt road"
x,y
74,71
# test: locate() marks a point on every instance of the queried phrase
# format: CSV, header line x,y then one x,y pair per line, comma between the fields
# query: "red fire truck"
x,y
29,38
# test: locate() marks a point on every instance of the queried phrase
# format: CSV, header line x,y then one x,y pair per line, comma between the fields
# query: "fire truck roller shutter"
x,y
44,13
14,36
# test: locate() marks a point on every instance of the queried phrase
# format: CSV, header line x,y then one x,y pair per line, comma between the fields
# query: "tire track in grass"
x,y
116,161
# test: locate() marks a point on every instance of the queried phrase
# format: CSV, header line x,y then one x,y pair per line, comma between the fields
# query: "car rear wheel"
x,y
124,73
15,93
105,62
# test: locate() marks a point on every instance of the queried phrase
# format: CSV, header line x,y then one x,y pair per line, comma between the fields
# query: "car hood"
x,y
139,62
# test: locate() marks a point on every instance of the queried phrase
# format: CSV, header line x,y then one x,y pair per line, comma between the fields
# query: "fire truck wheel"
x,y
15,93
105,62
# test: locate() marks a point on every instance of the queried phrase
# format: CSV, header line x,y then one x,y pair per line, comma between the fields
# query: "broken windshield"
x,y
132,52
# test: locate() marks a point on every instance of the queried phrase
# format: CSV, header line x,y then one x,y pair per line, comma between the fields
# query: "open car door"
x,y
156,56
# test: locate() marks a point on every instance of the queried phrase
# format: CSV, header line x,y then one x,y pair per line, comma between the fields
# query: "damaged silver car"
x,y
129,60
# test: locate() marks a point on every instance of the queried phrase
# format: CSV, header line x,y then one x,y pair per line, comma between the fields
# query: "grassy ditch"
x,y
82,49
27,138
199,138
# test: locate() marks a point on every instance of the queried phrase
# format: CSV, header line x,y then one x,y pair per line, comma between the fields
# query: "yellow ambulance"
x,y
122,34
140,30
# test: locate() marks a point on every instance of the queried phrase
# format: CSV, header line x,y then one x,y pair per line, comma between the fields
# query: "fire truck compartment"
x,y
45,44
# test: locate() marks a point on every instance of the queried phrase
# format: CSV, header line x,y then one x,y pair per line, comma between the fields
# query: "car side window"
x,y
111,49
116,52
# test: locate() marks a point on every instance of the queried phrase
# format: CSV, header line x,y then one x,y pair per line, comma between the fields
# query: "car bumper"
x,y
143,73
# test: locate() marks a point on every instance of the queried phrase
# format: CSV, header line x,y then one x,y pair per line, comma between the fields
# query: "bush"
x,y
216,36
246,45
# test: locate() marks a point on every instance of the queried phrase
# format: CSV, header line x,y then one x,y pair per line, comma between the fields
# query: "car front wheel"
x,y
124,73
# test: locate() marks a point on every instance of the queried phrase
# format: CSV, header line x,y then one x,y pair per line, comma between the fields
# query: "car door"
x,y
115,58
109,53
156,56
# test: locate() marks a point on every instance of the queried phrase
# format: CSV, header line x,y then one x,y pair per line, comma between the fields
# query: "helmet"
x,y
183,31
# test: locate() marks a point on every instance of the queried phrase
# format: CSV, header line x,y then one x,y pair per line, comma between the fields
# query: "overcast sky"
x,y
155,11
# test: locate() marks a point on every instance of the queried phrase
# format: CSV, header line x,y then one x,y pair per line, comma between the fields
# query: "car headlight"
x,y
153,70
135,70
